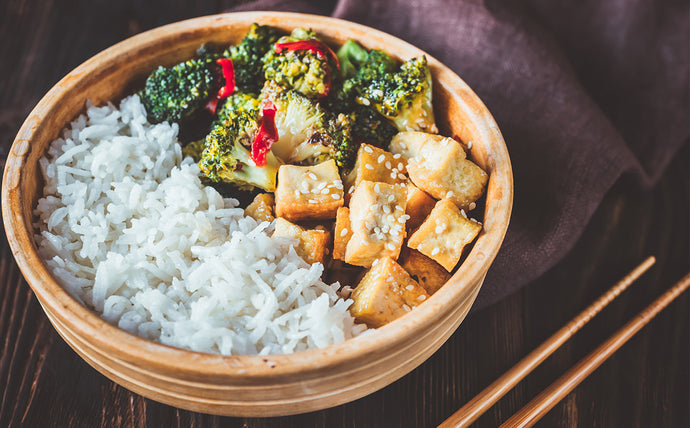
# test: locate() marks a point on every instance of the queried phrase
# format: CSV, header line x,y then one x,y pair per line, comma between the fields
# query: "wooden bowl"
x,y
249,385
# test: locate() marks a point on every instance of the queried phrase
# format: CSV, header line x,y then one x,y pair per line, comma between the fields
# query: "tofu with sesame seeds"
x,y
444,234
312,244
377,220
386,293
376,164
261,208
408,144
419,205
429,274
308,192
438,165
341,233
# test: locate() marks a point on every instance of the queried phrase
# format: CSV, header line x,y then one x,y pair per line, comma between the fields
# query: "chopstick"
x,y
549,397
492,393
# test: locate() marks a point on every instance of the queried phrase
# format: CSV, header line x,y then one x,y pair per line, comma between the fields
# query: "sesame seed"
x,y
390,246
391,198
472,206
338,184
403,146
365,101
450,194
377,230
368,166
397,155
464,214
381,158
387,164
435,251
401,176
368,149
421,298
335,196
312,175
351,189
409,287
386,209
400,166
394,174
377,188
399,208
296,192
469,145
325,191
405,217
343,232
407,308
312,201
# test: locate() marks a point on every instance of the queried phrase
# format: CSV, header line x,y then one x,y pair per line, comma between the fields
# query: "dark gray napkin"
x,y
584,92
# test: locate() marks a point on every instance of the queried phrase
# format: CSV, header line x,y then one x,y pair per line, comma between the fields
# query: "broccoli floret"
x,y
226,154
377,65
375,69
237,106
303,70
226,159
309,134
340,138
248,54
351,56
177,92
370,127
403,97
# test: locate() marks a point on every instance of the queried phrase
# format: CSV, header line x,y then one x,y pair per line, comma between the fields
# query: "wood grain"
x,y
474,408
549,397
644,384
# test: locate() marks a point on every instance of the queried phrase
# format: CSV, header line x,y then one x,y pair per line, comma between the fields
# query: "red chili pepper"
x,y
319,48
227,89
267,135
229,75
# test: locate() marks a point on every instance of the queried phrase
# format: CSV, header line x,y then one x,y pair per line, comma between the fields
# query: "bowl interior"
x,y
120,70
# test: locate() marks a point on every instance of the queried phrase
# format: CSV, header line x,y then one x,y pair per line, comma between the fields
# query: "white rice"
x,y
129,230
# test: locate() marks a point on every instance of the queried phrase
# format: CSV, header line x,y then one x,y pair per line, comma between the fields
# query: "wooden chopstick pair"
x,y
542,403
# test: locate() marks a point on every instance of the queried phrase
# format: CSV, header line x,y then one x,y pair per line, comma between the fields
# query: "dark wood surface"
x,y
44,383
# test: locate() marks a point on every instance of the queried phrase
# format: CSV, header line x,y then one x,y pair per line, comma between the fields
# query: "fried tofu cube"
x,y
312,244
429,274
409,144
438,165
376,164
377,220
341,233
419,205
444,234
385,293
261,208
308,192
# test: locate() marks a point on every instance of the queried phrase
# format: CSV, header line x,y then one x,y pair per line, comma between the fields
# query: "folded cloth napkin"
x,y
583,92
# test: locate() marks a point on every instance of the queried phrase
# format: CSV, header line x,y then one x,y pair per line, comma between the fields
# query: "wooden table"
x,y
44,383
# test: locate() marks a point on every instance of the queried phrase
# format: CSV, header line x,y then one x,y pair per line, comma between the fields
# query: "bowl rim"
x,y
130,347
